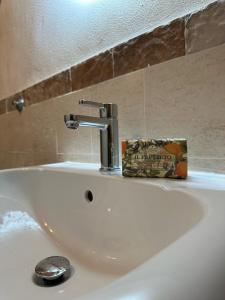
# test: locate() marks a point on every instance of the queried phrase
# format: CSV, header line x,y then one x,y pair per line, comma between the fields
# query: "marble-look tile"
x,y
2,107
185,98
96,69
205,29
164,43
128,93
72,141
54,86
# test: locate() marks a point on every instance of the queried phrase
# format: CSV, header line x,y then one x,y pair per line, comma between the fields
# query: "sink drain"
x,y
53,269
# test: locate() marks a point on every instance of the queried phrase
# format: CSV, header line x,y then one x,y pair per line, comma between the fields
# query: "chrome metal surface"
x,y
107,123
74,121
19,103
53,267
91,103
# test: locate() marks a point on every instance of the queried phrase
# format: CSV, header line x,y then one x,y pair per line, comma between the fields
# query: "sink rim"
x,y
195,179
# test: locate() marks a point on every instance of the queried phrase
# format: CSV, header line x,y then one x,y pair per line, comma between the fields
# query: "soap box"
x,y
154,158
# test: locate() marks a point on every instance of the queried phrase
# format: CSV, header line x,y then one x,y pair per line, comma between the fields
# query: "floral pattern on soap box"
x,y
155,158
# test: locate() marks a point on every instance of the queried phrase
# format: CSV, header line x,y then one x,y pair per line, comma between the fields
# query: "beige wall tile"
x,y
205,28
10,160
72,141
207,164
180,98
15,133
83,158
26,137
128,93
42,130
42,158
186,98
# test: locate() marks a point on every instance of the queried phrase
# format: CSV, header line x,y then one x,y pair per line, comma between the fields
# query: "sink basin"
x,y
122,226
111,228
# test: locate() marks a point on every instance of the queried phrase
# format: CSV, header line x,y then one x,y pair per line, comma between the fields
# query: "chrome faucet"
x,y
108,125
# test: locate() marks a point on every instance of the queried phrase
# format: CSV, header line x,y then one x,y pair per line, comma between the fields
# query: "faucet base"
x,y
106,169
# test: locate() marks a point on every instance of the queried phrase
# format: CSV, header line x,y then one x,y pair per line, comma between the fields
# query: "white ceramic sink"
x,y
137,238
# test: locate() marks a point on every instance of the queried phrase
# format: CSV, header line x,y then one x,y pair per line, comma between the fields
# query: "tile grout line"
x,y
144,87
185,33
113,62
70,79
56,136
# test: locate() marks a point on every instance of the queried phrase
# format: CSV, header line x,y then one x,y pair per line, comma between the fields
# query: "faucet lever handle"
x,y
92,104
107,110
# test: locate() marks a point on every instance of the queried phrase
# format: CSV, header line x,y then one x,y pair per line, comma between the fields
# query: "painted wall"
x,y
39,38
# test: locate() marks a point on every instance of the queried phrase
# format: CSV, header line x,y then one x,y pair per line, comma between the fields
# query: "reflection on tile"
x,y
205,29
162,44
185,98
92,71
54,86
128,93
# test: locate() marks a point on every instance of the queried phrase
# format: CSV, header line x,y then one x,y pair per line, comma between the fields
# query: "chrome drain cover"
x,y
52,268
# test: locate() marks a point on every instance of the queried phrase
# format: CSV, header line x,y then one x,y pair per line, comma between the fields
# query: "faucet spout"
x,y
74,121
